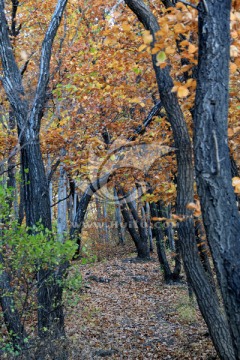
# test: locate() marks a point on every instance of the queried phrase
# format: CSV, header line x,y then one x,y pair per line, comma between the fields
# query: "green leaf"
x,y
161,57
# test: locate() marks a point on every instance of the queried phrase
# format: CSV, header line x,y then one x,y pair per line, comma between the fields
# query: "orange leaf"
x,y
169,50
233,67
158,218
235,181
192,48
179,28
191,206
142,47
147,37
182,91
126,27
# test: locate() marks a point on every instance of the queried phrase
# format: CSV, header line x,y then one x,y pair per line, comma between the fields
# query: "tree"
x,y
28,115
212,161
193,268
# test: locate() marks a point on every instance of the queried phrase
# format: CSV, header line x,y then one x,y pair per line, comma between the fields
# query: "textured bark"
x,y
203,248
149,229
120,228
141,246
212,162
134,225
62,204
168,275
35,185
77,225
206,297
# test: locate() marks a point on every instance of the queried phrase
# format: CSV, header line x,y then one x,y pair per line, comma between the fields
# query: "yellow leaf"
x,y
197,213
180,6
237,189
233,67
24,55
184,43
162,65
135,100
142,47
234,51
175,88
158,218
110,40
178,217
236,181
192,48
126,27
230,132
169,50
191,206
179,28
182,91
147,37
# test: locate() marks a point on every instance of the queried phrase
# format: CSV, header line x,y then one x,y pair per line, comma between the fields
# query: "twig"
x,y
205,5
62,199
188,4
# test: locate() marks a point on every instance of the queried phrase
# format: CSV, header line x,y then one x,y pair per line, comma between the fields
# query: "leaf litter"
x,y
125,311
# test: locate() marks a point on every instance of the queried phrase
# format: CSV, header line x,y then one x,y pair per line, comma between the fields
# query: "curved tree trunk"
x,y
206,298
35,186
135,226
168,275
213,167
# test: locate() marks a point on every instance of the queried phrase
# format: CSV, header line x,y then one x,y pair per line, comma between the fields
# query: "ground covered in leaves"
x,y
125,311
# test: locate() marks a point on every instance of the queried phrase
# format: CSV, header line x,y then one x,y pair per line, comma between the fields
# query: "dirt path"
x,y
126,312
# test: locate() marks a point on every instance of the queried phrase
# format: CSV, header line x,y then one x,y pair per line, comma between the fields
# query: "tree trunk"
x,y
141,246
62,205
105,219
37,210
149,229
206,298
168,276
120,227
212,162
99,219
35,185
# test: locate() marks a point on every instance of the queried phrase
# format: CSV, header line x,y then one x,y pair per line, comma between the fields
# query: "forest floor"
x,y
125,311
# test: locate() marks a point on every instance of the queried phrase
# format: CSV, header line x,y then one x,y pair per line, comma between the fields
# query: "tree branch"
x,y
46,52
12,79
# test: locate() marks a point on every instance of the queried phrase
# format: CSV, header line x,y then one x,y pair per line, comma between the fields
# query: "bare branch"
x,y
12,80
57,202
188,4
53,169
43,80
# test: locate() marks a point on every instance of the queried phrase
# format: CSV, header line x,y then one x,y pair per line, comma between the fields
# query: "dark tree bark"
x,y
177,257
118,217
216,322
157,225
35,187
143,251
212,161
135,225
76,228
203,248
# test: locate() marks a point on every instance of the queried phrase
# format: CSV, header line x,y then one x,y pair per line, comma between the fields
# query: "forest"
x,y
119,179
